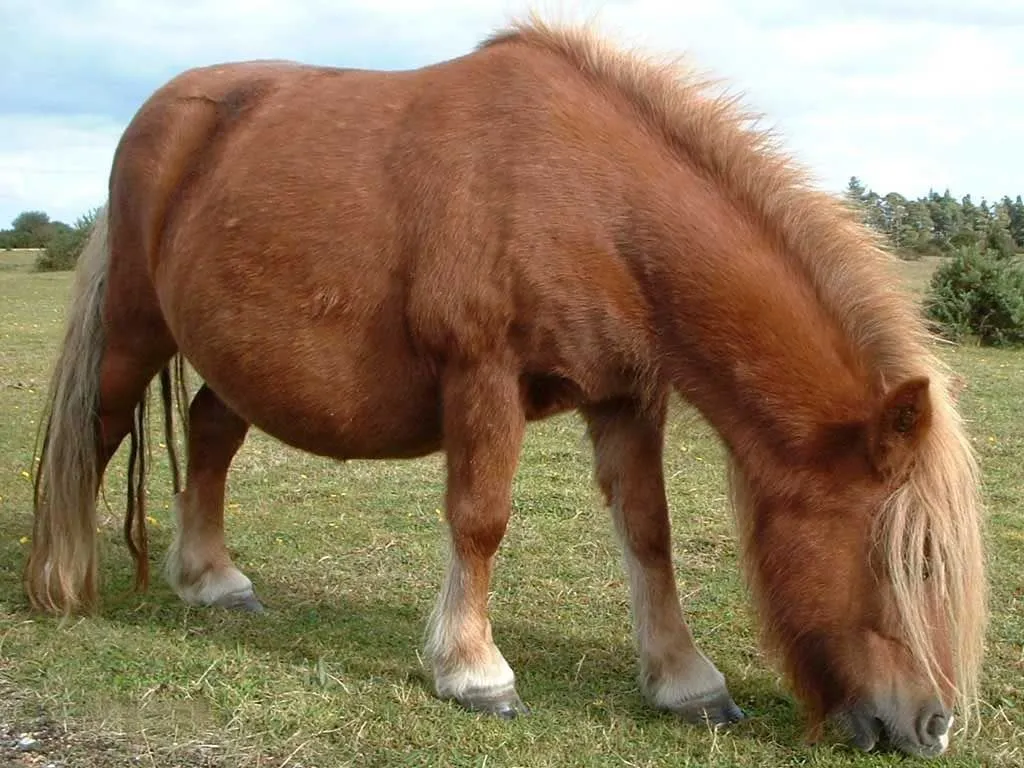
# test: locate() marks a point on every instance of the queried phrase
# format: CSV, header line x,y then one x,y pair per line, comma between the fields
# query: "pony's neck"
x,y
744,335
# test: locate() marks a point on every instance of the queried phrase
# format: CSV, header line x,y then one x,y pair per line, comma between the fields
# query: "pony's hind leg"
x,y
198,566
675,675
483,430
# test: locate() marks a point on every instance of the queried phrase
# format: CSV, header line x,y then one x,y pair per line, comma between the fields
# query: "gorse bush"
x,y
63,248
978,294
62,252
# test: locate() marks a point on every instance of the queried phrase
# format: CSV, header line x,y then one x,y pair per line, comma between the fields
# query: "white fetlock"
x,y
698,695
493,677
701,680
221,587
466,664
226,586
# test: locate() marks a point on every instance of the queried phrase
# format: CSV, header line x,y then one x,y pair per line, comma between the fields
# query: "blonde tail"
x,y
60,575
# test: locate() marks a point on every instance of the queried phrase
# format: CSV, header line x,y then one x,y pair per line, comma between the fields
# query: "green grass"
x,y
348,559
918,273
19,260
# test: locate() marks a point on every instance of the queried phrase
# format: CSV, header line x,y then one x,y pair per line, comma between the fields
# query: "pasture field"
x,y
18,259
348,559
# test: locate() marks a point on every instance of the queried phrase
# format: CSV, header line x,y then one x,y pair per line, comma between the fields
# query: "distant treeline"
x,y
61,243
31,229
940,224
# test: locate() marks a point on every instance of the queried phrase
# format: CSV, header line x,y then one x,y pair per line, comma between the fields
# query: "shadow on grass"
x,y
373,641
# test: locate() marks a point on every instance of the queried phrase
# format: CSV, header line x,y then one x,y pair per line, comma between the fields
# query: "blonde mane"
x,y
932,524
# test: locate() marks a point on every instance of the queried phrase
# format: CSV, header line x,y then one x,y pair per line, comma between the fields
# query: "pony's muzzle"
x,y
925,734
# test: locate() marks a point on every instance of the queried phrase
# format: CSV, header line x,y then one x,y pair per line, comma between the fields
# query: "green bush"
x,y
65,246
999,240
913,253
965,238
977,294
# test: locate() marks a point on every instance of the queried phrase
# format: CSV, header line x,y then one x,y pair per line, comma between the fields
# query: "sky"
x,y
908,95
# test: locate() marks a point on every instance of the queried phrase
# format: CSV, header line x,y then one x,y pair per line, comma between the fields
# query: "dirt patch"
x,y
32,736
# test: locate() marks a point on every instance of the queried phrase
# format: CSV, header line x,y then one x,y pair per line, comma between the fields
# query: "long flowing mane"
x,y
932,523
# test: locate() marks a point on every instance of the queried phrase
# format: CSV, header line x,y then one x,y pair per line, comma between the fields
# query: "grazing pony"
x,y
382,265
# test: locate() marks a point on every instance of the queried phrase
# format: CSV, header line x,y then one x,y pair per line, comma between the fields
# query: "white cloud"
x,y
906,94
58,166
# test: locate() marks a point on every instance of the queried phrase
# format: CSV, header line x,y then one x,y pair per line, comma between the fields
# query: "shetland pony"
x,y
383,265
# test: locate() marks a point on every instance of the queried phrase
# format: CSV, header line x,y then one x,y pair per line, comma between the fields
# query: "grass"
x,y
348,559
918,273
18,260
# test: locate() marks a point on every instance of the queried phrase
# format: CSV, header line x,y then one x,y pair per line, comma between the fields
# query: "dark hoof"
x,y
714,709
240,601
504,703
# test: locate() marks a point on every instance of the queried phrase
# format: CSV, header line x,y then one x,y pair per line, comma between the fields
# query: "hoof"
x,y
715,709
504,703
245,601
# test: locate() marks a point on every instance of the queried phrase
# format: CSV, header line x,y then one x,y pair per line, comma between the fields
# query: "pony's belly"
x,y
373,401
391,419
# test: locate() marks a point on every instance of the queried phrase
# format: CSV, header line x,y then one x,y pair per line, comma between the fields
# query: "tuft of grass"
x,y
348,559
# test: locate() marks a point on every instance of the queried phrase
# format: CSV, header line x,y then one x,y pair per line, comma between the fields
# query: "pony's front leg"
x,y
675,675
483,431
198,565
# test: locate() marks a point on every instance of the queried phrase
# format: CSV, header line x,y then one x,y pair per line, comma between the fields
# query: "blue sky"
x,y
906,94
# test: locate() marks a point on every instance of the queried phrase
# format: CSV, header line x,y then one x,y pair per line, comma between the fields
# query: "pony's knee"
x,y
477,529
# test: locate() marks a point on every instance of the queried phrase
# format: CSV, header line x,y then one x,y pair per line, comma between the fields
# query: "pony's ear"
x,y
900,423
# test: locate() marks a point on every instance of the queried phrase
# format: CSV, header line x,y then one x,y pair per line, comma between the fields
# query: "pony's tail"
x,y
173,389
60,575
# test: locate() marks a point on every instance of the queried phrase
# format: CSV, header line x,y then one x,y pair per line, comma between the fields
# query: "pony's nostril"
x,y
933,725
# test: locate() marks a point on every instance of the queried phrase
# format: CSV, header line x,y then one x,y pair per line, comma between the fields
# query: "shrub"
x,y
909,254
999,240
965,238
977,294
65,246
922,248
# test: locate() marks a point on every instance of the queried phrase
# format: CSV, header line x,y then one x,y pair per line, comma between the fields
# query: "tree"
x,y
970,215
30,221
998,240
946,216
939,223
31,229
918,227
873,209
64,248
1015,215
855,191
894,218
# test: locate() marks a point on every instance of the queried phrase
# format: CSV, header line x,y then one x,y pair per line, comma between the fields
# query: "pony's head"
x,y
865,559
